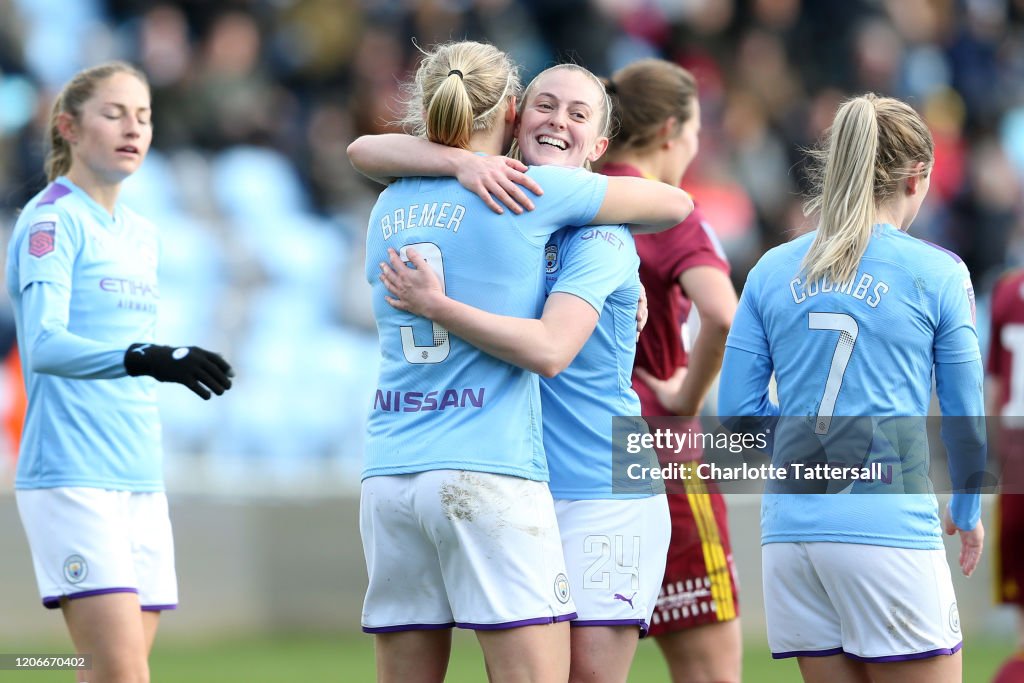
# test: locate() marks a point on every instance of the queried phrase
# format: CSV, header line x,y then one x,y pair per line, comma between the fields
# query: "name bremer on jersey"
x,y
444,215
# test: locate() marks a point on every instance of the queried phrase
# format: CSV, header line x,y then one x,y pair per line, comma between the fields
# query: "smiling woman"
x,y
488,426
614,541
81,274
558,119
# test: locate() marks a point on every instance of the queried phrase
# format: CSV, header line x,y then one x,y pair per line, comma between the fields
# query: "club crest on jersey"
x,y
41,238
562,588
75,569
551,258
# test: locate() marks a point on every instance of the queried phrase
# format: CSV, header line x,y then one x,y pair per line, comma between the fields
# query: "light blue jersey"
x,y
865,348
83,286
599,265
441,403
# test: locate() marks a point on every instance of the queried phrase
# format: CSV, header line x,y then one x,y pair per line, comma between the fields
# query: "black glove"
x,y
189,365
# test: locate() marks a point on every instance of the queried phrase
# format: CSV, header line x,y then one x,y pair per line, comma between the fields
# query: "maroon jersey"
x,y
699,586
1006,362
663,258
1006,341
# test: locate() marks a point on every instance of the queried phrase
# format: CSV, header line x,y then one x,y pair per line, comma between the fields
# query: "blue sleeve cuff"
x,y
961,399
965,508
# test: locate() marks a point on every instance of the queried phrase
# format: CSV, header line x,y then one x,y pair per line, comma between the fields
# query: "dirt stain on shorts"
x,y
474,497
457,502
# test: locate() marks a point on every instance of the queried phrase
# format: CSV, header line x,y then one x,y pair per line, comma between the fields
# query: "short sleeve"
x,y
690,244
47,247
594,262
748,333
956,339
572,196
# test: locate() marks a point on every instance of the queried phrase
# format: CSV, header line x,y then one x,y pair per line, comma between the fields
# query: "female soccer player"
x,y
81,273
695,621
614,541
854,319
458,526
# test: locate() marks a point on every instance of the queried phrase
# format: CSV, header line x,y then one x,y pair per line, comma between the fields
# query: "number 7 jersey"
x,y
866,347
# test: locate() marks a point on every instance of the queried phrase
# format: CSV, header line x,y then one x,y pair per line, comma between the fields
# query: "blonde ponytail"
x,y
872,146
458,90
847,199
58,156
450,112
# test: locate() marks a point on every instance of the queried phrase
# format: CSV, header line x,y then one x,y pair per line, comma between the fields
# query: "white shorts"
x,y
88,541
615,551
455,548
872,603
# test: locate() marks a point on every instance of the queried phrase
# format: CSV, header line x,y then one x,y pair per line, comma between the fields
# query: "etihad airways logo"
x,y
118,285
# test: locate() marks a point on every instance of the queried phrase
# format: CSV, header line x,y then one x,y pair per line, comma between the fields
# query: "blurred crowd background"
x,y
263,217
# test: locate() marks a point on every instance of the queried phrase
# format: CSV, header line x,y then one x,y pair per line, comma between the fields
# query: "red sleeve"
x,y
667,255
690,244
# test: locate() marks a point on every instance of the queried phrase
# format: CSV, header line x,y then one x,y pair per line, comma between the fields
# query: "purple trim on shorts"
x,y
53,193
808,653
517,624
914,655
614,622
53,601
870,660
159,608
407,627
